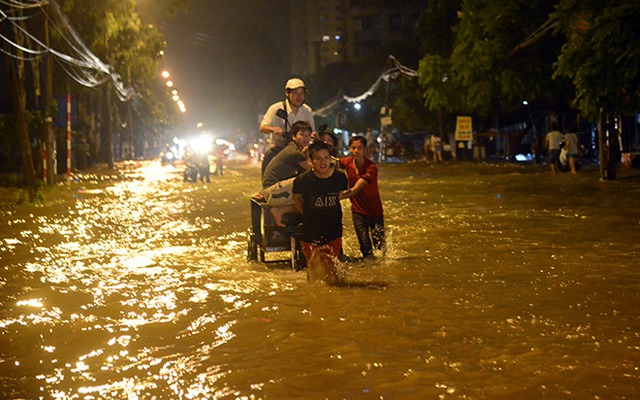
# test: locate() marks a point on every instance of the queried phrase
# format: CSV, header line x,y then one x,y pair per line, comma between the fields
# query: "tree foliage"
x,y
505,51
486,71
601,54
125,34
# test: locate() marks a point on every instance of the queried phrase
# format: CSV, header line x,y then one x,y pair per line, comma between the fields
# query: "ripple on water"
x,y
492,286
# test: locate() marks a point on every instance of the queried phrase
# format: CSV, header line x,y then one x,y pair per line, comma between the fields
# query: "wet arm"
x,y
360,184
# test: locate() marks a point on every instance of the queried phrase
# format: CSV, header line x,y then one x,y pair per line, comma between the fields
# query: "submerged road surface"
x,y
500,282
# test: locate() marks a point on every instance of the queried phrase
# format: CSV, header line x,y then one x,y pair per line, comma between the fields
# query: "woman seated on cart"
x,y
277,181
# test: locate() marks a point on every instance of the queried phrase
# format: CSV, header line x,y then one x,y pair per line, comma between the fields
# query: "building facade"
x,y
328,31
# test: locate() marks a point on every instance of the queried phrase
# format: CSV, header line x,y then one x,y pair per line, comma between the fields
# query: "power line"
x,y
392,69
78,66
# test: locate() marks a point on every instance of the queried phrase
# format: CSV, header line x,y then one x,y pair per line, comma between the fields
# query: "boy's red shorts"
x,y
333,248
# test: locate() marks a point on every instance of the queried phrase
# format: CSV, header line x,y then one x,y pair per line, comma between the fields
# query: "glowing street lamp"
x,y
165,74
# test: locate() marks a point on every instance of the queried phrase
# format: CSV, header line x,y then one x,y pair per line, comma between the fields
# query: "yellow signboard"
x,y
464,131
386,121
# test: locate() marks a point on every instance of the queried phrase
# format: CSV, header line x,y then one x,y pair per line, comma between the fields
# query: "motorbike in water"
x,y
167,157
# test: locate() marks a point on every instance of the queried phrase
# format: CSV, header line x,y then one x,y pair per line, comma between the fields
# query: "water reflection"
x,y
498,283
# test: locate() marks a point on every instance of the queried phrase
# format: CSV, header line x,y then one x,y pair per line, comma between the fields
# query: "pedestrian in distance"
x,y
202,163
436,146
278,128
366,205
552,142
371,148
572,146
218,160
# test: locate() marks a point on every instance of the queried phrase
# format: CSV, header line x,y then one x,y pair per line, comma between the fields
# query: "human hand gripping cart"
x,y
267,237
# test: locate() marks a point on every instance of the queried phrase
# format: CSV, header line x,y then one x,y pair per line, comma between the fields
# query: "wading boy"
x,y
366,206
317,194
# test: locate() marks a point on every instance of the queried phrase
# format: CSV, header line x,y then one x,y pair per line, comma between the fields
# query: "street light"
x,y
181,106
174,92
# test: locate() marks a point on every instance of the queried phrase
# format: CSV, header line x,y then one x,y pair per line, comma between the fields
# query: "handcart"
x,y
267,237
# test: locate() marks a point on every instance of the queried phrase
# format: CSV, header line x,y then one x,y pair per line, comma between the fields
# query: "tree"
x,y
492,64
493,77
19,96
601,56
436,30
131,46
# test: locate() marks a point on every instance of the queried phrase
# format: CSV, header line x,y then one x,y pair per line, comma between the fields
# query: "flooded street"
x,y
500,282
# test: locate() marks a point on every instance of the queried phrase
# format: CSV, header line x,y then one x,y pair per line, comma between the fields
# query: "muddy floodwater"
x,y
500,282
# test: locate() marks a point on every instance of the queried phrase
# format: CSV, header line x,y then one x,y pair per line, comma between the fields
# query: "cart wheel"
x,y
252,250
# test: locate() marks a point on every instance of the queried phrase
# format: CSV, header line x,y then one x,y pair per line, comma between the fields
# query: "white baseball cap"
x,y
294,83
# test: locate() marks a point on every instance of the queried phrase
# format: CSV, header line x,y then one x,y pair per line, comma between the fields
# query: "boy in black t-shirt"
x,y
317,194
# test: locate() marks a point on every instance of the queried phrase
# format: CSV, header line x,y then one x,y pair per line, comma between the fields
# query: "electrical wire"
x,y
82,66
392,69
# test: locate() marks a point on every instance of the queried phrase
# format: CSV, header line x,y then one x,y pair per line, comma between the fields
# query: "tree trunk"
x,y
93,138
19,97
603,152
132,150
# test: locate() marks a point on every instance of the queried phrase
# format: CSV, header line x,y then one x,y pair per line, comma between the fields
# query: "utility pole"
x,y
107,136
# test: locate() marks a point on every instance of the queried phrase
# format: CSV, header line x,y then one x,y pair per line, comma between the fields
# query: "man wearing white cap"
x,y
276,127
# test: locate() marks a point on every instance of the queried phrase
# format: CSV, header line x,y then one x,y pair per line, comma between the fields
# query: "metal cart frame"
x,y
266,237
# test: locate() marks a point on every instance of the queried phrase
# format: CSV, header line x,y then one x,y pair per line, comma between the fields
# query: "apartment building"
x,y
328,31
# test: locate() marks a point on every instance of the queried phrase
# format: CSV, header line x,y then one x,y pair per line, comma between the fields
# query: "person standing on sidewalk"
x,y
366,206
278,128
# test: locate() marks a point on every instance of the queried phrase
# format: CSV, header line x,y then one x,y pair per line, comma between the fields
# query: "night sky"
x,y
229,61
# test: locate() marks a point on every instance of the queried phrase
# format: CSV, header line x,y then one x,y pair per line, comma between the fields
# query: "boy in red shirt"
x,y
366,206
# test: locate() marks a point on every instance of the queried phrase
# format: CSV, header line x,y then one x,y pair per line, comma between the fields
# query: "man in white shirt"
x,y
279,128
